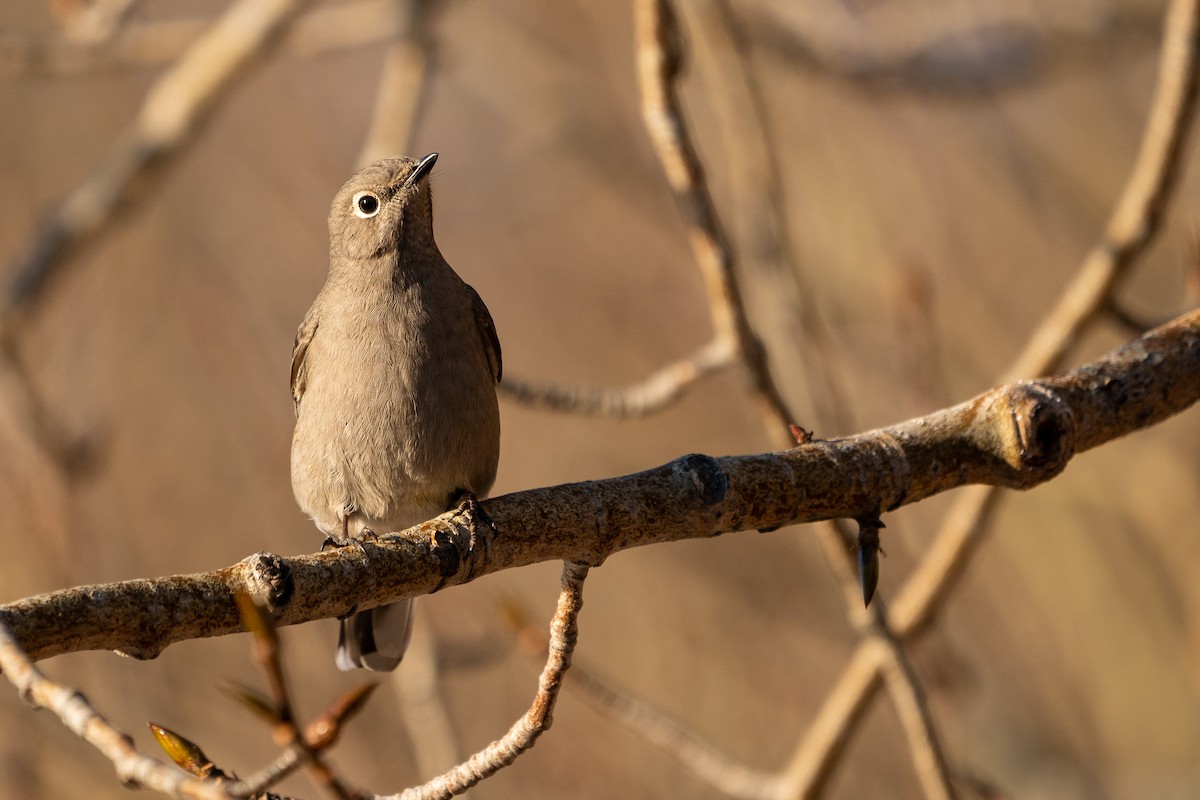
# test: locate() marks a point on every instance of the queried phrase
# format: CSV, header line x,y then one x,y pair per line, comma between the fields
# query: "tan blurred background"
x,y
945,166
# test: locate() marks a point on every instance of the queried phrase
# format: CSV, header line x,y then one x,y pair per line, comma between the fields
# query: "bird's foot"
x,y
363,536
482,529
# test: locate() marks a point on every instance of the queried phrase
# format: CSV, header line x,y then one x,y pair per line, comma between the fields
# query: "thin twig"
x,y
652,394
82,719
564,629
693,752
318,736
769,255
659,59
266,652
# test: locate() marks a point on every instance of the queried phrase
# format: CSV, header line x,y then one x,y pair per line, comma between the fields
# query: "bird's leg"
x,y
467,504
331,543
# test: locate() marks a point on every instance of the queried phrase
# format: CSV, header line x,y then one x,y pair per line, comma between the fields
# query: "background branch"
x,y
174,107
1133,223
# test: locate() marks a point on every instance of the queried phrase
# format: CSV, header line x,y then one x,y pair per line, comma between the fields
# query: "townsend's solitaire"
x,y
394,377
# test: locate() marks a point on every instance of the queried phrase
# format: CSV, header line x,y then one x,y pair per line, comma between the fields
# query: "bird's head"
x,y
383,207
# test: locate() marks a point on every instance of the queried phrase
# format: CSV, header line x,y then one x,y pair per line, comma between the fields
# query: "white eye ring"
x,y
366,205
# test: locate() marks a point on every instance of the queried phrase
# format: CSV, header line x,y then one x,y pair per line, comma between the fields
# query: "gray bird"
x,y
394,376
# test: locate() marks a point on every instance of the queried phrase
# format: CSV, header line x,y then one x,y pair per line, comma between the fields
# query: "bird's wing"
x,y
304,337
487,333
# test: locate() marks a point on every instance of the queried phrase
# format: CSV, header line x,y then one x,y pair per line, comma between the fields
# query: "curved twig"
x,y
564,630
654,393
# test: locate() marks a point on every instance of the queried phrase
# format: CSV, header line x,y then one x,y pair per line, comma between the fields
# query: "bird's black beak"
x,y
421,170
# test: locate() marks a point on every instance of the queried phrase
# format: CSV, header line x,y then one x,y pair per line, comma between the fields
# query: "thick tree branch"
x,y
1015,436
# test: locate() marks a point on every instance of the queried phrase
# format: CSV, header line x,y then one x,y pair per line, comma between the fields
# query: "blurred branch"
x,y
173,110
150,44
421,705
564,630
1135,220
97,21
1138,212
888,47
654,393
401,85
300,748
692,751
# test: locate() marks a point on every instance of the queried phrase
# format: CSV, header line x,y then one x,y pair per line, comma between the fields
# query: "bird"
x,y
394,373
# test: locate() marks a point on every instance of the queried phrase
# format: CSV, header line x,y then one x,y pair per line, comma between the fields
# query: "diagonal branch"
x,y
1135,219
150,43
78,715
174,108
402,84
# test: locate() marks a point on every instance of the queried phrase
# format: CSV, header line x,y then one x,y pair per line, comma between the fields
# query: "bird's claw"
x,y
482,528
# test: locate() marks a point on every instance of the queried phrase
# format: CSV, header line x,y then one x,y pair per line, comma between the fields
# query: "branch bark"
x,y
1016,436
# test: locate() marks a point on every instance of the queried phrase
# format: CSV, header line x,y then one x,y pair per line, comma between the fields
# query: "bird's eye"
x,y
366,204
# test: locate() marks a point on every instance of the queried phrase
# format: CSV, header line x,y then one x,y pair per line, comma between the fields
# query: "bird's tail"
x,y
375,639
